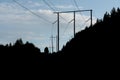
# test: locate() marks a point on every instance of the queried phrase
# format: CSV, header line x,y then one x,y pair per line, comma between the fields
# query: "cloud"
x,y
65,6
17,15
33,4
16,22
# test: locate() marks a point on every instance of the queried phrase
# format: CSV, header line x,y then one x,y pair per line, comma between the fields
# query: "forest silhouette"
x,y
95,46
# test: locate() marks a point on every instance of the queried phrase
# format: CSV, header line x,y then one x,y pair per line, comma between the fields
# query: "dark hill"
x,y
97,45
95,48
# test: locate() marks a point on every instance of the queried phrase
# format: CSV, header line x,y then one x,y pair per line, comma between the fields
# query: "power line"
x,y
65,29
85,22
48,5
53,5
76,4
31,11
52,43
53,9
68,25
63,18
74,19
57,40
56,10
78,8
52,29
81,14
54,21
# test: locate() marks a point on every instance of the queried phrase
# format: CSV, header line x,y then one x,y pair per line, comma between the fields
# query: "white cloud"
x,y
68,7
33,4
65,6
16,22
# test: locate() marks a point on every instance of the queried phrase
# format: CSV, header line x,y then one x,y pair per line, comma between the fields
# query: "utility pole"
x,y
91,17
74,23
52,43
74,19
52,39
58,32
56,43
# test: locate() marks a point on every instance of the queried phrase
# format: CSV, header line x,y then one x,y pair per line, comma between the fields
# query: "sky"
x,y
35,20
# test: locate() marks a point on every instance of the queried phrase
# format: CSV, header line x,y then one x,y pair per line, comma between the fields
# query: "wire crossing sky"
x,y
32,20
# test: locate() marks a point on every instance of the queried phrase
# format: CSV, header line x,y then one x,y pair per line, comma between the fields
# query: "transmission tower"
x,y
74,24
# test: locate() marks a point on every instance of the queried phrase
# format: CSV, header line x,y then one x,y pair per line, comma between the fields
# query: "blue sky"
x,y
17,22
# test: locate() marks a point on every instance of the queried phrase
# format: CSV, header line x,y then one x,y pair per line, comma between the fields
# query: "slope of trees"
x,y
96,45
26,54
18,53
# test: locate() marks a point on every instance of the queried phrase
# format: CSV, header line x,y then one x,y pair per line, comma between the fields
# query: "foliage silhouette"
x,y
46,51
98,44
94,47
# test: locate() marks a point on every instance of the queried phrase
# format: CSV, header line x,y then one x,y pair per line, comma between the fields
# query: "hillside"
x,y
97,44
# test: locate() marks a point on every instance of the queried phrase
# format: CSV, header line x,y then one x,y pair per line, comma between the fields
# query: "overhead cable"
x,y
31,11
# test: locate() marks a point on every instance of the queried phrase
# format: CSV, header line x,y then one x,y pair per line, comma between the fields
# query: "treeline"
x,y
18,53
96,44
26,54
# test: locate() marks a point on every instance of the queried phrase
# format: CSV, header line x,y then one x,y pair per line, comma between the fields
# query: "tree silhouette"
x,y
18,42
46,50
94,44
106,17
93,48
